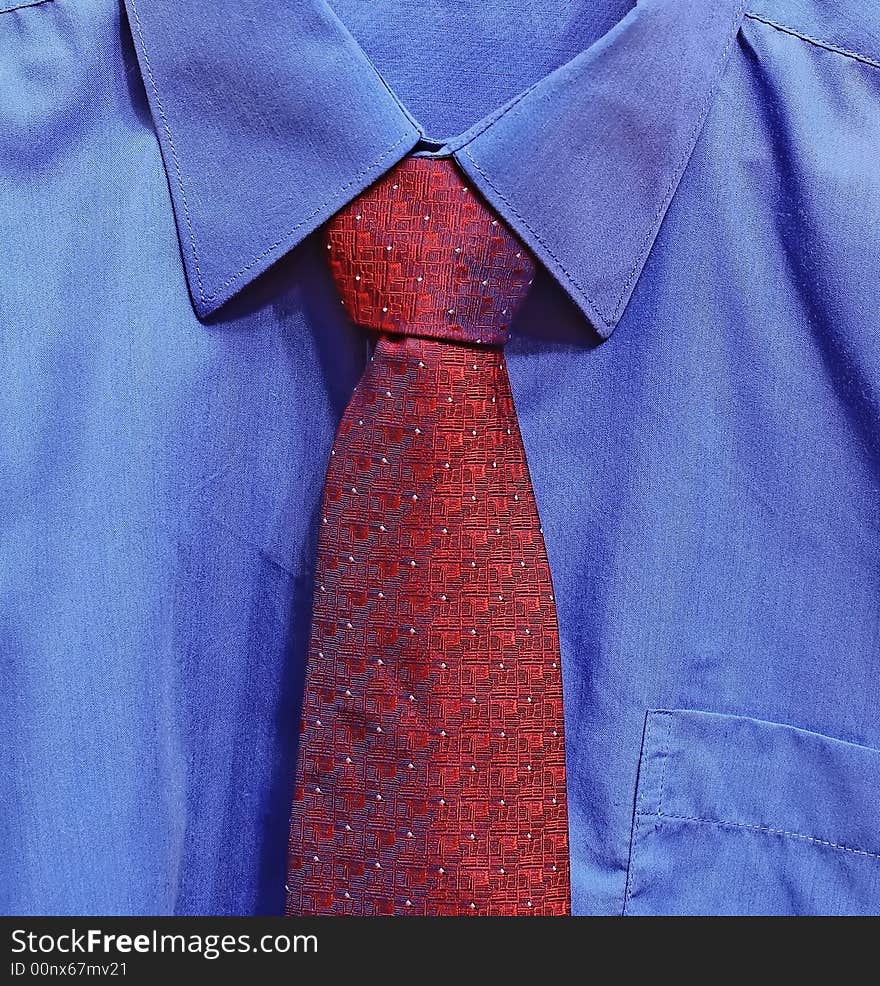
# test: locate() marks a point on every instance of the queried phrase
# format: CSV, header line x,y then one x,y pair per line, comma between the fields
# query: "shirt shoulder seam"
x,y
816,42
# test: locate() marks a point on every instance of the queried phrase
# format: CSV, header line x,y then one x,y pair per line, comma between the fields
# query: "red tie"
x,y
431,777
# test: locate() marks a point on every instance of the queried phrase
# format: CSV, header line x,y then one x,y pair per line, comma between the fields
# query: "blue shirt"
x,y
697,376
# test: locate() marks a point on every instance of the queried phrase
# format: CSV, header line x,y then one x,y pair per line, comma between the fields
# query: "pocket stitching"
x,y
654,717
767,830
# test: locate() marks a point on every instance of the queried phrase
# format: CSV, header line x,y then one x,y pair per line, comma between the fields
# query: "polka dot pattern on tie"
x,y
431,776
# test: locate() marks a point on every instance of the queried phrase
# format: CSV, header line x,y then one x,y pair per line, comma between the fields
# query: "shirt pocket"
x,y
738,816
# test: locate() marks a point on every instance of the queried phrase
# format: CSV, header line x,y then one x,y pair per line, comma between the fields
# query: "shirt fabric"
x,y
696,374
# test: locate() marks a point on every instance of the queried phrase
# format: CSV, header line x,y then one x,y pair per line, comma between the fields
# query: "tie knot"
x,y
419,253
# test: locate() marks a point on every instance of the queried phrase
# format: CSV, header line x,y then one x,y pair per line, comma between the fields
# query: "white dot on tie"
x,y
357,277
387,393
419,279
448,400
474,433
426,218
385,309
388,247
351,557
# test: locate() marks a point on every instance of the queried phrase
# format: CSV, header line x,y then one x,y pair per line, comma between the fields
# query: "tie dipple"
x,y
431,773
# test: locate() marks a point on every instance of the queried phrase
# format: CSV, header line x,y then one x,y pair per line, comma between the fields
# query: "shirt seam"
x,y
22,5
816,42
765,829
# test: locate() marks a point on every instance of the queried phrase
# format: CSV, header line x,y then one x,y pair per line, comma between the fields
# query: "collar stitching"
x,y
682,163
167,130
573,284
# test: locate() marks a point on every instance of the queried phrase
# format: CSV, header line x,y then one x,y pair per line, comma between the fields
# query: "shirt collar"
x,y
268,125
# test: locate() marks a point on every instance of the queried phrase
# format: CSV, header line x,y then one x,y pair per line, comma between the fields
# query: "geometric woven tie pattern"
x,y
431,772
